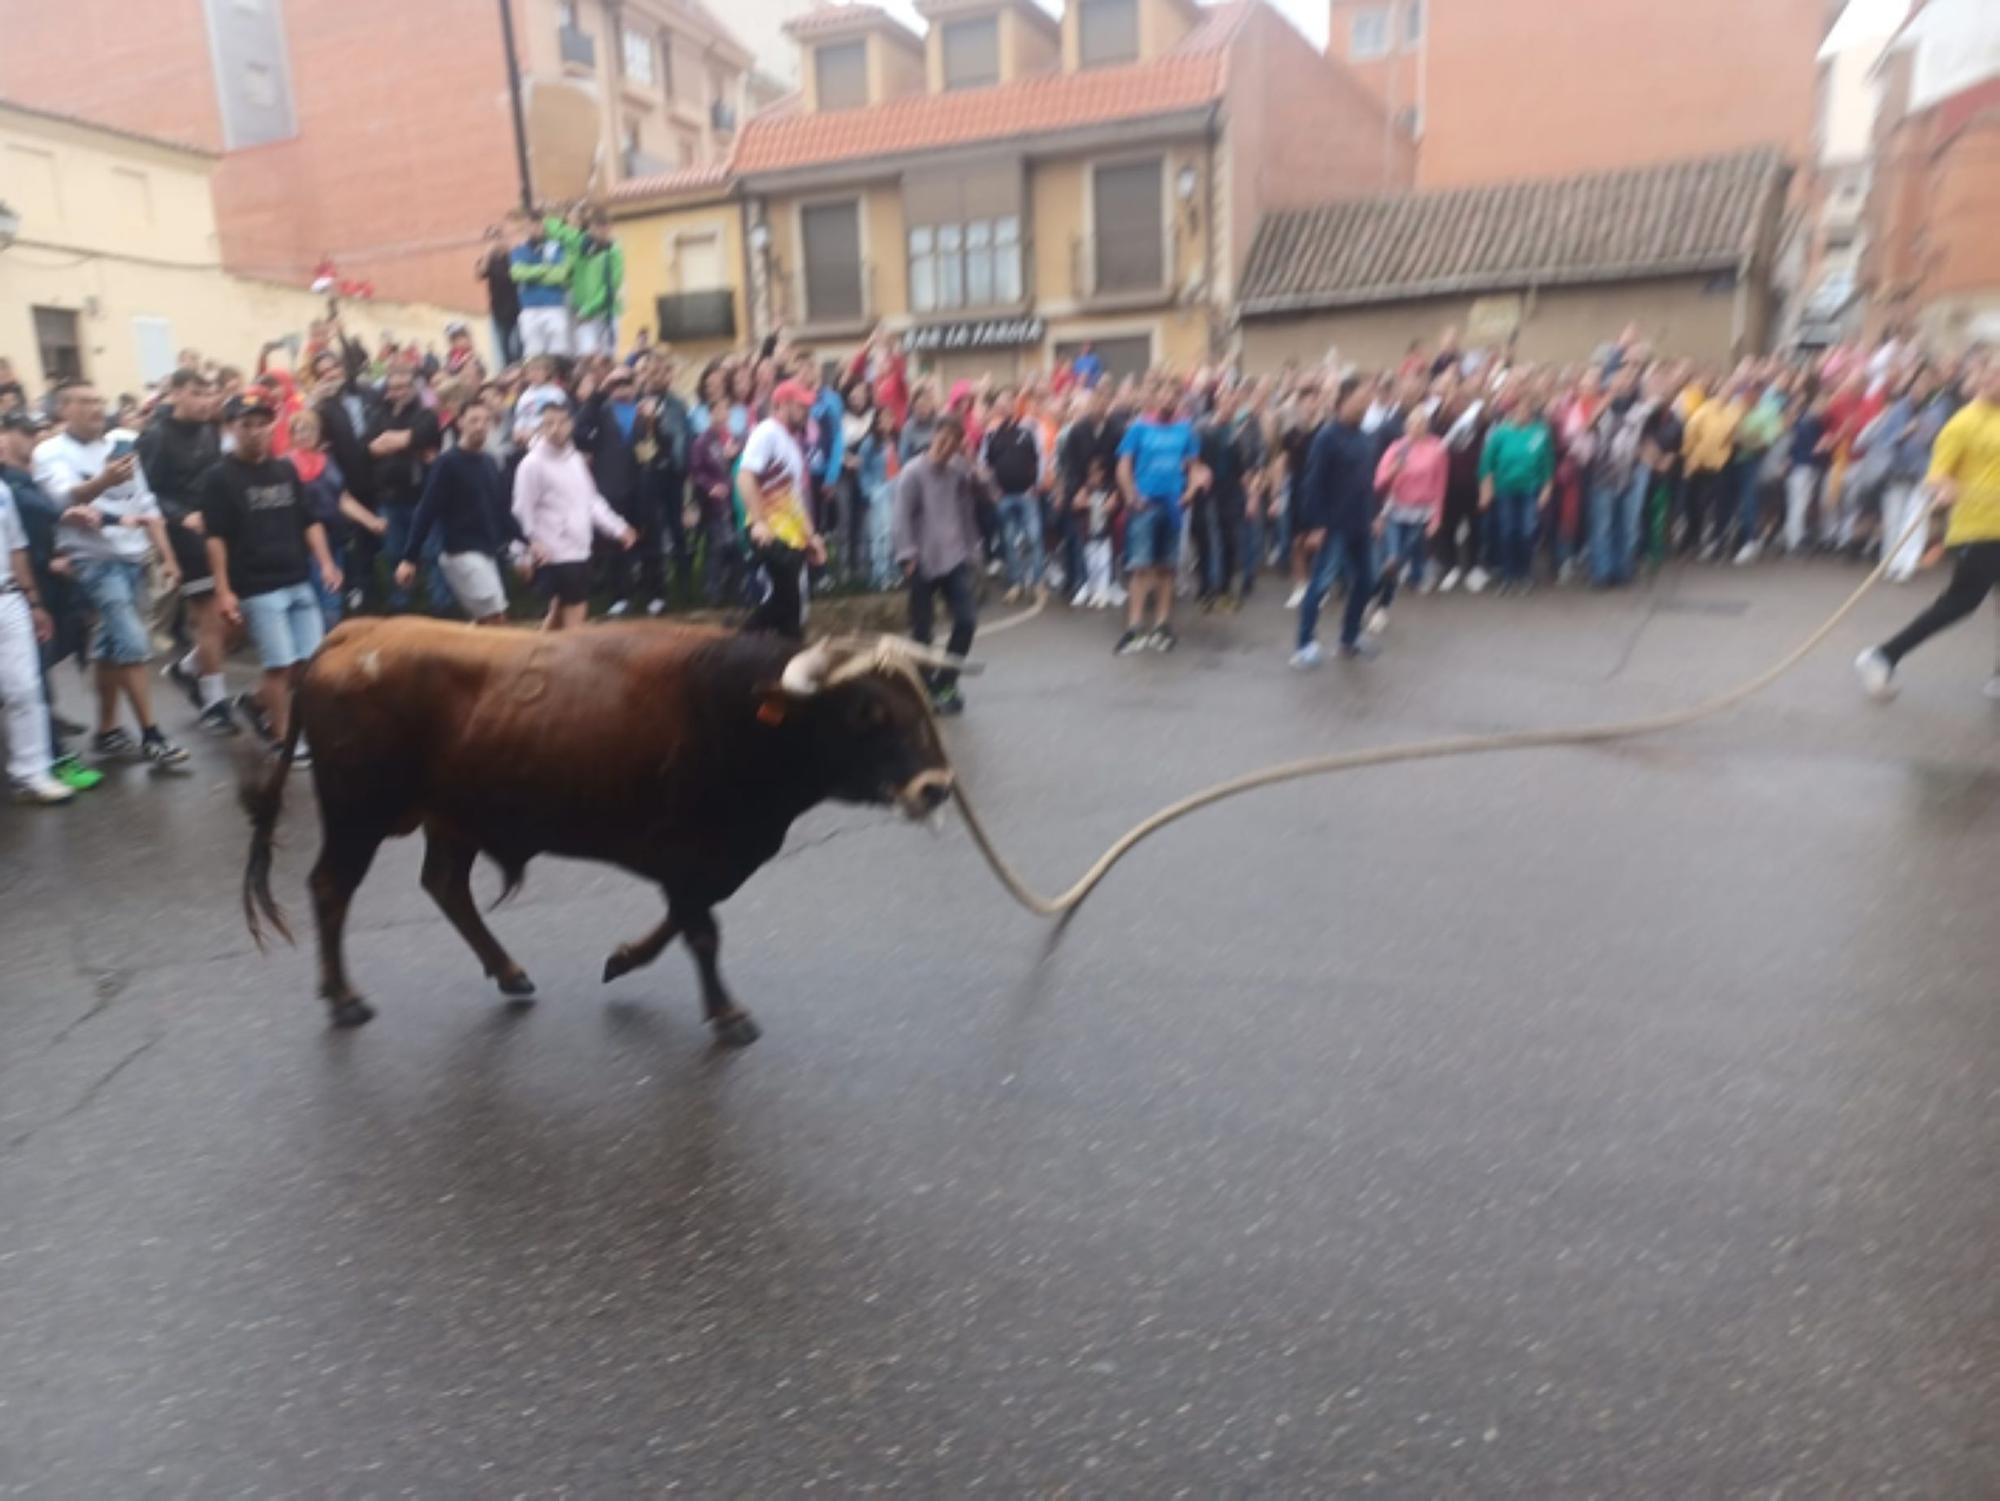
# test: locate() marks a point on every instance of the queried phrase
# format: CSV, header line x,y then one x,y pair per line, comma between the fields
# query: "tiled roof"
x,y
685,180
1674,218
61,117
1191,75
842,17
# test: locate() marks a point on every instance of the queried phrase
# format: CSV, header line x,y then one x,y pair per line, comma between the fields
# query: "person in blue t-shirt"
x,y
1154,460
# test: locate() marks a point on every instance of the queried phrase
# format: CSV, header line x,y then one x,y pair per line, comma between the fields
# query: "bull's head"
x,y
872,727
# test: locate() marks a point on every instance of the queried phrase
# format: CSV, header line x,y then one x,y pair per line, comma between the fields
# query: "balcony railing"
x,y
688,316
835,306
722,114
639,164
1118,268
578,47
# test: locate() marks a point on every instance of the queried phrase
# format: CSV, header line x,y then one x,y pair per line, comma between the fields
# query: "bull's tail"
x,y
262,793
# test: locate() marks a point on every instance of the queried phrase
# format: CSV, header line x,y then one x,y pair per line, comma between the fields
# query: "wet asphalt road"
x,y
1616,1122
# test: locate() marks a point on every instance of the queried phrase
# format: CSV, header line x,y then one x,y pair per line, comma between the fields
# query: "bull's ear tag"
x,y
772,709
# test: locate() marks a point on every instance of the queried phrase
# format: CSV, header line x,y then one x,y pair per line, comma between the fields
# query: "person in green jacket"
x,y
597,278
1516,470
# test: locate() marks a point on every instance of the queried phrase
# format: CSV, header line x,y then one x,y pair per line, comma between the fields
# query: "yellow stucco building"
x,y
1004,186
109,263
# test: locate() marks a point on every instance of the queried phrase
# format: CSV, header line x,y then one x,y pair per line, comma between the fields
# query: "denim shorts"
x,y
1153,537
285,624
116,590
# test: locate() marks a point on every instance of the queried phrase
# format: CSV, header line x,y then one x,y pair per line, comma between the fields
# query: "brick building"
x,y
1683,251
1932,263
1498,90
1003,185
380,133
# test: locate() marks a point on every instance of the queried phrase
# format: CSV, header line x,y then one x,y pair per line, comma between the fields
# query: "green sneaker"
x,y
73,773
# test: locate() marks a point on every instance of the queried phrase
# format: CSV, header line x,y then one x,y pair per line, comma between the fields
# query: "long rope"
x,y
1415,750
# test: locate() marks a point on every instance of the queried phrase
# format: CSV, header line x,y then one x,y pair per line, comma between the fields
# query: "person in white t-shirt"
x,y
772,481
24,626
109,528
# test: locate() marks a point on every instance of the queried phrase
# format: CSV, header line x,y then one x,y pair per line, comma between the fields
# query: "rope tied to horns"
x,y
898,656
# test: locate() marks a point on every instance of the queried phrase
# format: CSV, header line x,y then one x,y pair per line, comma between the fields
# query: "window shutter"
x,y
840,72
832,236
1125,203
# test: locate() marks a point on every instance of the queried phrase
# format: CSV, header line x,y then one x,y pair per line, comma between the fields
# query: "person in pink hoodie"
x,y
558,508
1411,478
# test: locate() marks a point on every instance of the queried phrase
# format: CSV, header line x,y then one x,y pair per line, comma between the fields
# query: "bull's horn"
x,y
805,674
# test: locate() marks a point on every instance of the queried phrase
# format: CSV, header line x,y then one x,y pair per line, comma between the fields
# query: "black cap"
x,y
252,402
19,422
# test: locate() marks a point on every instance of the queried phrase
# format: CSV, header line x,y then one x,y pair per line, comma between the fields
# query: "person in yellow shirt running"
x,y
1707,447
1965,476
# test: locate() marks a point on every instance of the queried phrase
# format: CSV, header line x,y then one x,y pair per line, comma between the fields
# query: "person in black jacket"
x,y
346,411
466,504
609,431
403,441
666,421
1336,510
1218,509
176,451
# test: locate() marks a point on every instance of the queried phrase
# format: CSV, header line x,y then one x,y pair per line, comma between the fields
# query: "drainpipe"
x,y
514,105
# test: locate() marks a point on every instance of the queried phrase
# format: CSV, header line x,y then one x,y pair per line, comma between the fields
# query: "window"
x,y
970,265
1413,22
260,86
830,235
1108,32
698,262
840,75
1368,36
635,55
566,14
60,345
972,52
667,65
1129,254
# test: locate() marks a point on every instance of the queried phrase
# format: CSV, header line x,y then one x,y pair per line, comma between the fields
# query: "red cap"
x,y
792,390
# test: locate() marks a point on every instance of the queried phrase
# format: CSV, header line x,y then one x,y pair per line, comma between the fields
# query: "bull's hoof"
x,y
734,1029
620,963
516,986
352,1012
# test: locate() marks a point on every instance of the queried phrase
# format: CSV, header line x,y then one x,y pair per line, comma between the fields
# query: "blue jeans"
x,y
1614,528
1743,477
1348,552
285,625
115,589
1021,531
1514,533
401,519
1403,556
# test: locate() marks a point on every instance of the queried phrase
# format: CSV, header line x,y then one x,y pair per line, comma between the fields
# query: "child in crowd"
x,y
1096,507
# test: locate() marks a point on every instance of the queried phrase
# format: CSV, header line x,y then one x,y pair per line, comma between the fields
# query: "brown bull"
x,y
682,755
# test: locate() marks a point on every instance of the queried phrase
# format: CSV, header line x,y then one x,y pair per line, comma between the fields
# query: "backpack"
x,y
1010,454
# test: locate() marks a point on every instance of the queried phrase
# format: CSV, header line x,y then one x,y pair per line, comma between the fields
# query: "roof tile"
x,y
1190,75
1674,217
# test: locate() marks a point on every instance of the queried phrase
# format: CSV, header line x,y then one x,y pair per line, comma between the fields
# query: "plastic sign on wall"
x,y
976,333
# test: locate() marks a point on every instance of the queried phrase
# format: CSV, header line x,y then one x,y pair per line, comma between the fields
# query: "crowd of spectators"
x,y
226,506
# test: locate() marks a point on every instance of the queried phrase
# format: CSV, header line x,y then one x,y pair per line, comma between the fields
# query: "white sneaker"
x,y
656,607
1993,687
1118,595
1748,553
1307,657
42,789
1082,600
1429,585
1877,675
1477,580
1378,620
619,607
1450,581
1296,598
